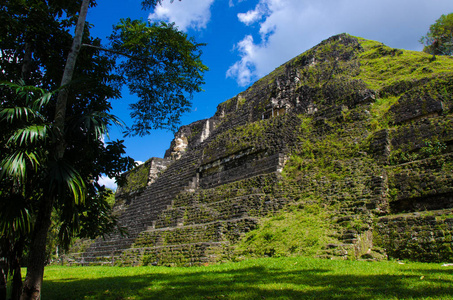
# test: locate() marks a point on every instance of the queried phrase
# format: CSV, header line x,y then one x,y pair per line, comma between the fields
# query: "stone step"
x,y
188,254
218,231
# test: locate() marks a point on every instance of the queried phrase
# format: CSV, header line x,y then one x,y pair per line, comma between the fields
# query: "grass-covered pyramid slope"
x,y
343,152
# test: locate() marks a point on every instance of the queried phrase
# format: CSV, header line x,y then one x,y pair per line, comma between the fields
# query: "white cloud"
x,y
186,14
290,27
243,69
108,182
252,16
231,2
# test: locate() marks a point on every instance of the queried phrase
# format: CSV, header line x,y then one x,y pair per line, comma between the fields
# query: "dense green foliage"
x,y
30,171
439,39
270,278
163,66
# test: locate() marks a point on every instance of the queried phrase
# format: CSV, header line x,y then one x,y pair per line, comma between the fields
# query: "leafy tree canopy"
x,y
439,39
162,66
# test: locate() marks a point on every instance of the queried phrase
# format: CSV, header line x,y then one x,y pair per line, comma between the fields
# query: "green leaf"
x,y
29,135
62,174
12,114
14,216
15,165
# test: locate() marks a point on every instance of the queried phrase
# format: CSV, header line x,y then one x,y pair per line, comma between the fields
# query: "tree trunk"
x,y
62,99
16,286
26,65
3,279
37,255
36,263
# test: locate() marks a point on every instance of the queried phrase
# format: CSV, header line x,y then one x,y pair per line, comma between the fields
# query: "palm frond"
x,y
15,164
35,98
15,216
11,114
28,92
63,174
43,100
29,135
98,122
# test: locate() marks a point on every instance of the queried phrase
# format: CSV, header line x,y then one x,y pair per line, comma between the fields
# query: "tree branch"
x,y
115,52
111,51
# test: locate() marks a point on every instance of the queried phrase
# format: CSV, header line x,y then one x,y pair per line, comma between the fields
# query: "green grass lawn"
x,y
271,278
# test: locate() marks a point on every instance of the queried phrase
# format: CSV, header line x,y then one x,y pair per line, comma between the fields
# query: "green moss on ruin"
x,y
302,230
382,66
136,179
263,134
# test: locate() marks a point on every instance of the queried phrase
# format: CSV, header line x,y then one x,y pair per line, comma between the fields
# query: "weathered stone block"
x,y
415,105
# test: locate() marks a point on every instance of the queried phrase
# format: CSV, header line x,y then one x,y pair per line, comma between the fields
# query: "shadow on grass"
x,y
252,283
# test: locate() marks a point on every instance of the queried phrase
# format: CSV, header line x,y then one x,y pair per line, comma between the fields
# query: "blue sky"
x,y
247,39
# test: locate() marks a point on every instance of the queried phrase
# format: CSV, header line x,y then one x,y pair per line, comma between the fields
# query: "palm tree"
x,y
35,182
29,172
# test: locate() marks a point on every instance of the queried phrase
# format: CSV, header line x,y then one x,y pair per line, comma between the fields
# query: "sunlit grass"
x,y
379,70
271,278
301,229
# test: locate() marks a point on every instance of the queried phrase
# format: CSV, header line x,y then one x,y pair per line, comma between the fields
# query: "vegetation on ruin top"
x,y
382,66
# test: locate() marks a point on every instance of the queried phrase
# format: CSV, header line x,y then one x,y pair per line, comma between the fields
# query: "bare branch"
x,y
113,51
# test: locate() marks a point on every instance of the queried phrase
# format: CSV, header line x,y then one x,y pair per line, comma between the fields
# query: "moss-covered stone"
x,y
422,236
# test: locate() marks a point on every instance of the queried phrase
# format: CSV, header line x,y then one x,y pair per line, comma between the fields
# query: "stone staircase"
x,y
354,224
159,204
141,212
199,227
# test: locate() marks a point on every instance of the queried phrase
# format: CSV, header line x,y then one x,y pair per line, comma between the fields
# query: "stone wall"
x,y
417,153
205,222
423,236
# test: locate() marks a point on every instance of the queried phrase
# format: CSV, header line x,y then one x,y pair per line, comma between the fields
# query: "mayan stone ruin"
x,y
355,127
